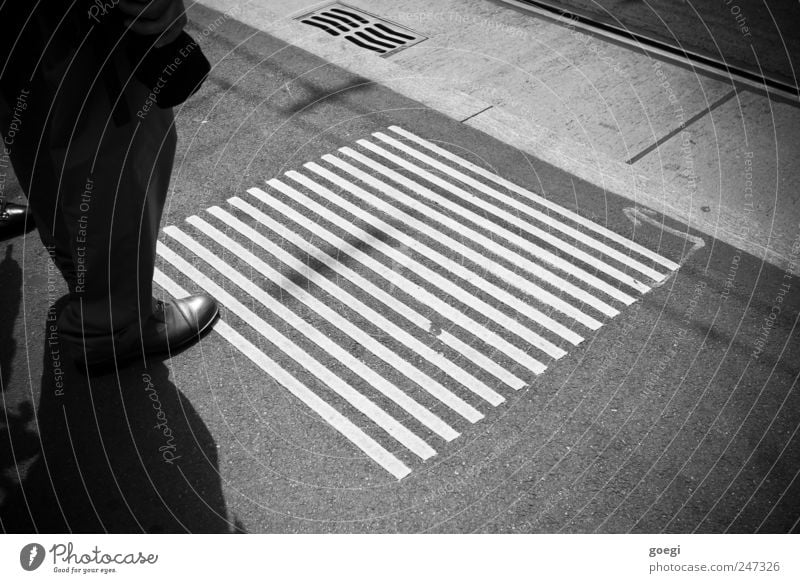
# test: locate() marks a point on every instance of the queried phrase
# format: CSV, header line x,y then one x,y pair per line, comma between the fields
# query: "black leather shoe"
x,y
172,326
178,323
15,219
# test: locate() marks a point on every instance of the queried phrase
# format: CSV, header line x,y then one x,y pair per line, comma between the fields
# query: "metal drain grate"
x,y
362,29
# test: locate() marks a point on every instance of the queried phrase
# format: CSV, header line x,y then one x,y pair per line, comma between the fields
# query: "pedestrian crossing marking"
x,y
538,271
528,227
441,282
403,213
315,251
338,421
548,257
540,200
507,275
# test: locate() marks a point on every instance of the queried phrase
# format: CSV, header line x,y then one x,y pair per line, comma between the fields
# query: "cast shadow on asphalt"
x,y
91,458
312,94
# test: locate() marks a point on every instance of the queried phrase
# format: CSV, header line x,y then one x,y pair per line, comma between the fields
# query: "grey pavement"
x,y
677,415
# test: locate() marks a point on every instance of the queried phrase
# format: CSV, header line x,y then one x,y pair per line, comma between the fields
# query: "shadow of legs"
x,y
125,452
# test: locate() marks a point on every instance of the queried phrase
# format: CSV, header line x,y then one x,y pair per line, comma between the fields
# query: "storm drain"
x,y
362,29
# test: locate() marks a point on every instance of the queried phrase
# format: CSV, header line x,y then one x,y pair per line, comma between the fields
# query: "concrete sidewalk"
x,y
589,107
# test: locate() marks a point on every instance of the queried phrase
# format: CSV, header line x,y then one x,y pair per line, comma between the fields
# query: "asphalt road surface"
x,y
423,330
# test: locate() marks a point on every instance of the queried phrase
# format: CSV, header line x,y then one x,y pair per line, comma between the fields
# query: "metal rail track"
x,y
739,76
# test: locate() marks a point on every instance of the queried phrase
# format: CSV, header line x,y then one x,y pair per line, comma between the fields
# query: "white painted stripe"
x,y
405,367
408,286
172,288
480,359
341,388
599,229
508,323
447,286
388,389
531,267
543,254
507,275
456,372
356,399
532,213
416,318
335,419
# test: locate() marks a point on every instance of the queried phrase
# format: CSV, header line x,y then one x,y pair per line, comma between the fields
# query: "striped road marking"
x,y
456,285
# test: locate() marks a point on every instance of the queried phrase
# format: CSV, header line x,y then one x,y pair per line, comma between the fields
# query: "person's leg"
x,y
97,184
112,205
97,189
23,116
